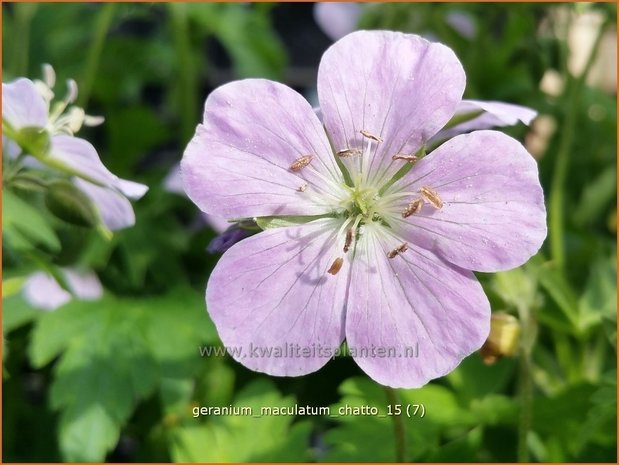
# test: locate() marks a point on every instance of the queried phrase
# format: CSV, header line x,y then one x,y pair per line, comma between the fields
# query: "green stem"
x,y
399,427
557,199
528,337
187,82
23,18
102,27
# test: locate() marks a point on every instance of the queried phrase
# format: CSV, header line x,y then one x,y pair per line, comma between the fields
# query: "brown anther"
x,y
301,163
345,153
412,208
408,158
369,135
350,237
336,266
398,250
432,197
302,188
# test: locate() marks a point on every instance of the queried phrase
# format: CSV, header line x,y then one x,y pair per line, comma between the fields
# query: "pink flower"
x,y
376,243
28,112
42,291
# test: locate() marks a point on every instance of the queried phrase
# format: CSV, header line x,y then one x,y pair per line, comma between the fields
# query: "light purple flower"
x,y
27,105
385,263
337,19
42,291
228,233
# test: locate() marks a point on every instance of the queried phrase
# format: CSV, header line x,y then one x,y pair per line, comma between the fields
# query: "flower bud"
x,y
70,204
503,339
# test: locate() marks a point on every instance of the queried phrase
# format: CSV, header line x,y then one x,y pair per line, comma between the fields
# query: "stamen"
x,y
302,188
369,135
408,158
412,208
345,153
336,266
432,197
49,76
398,250
350,237
301,163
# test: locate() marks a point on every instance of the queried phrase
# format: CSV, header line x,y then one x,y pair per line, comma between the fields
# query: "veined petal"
x,y
115,210
81,156
22,105
272,291
493,216
398,87
239,163
421,313
494,115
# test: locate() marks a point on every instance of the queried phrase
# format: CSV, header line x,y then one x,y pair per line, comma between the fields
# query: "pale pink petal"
x,y
272,292
42,291
396,86
22,105
493,217
85,285
115,210
238,164
419,314
130,189
337,19
494,114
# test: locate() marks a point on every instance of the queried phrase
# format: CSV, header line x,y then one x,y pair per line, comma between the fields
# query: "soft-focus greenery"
x,y
116,379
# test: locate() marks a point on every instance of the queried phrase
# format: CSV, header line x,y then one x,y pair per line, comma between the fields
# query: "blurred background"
x,y
116,379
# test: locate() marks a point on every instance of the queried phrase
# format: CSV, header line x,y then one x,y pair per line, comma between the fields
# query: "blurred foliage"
x,y
116,379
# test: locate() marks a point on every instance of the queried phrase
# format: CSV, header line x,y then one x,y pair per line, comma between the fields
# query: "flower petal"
x,y
272,292
495,114
115,210
336,19
42,291
417,314
81,156
238,164
399,87
85,285
493,215
22,105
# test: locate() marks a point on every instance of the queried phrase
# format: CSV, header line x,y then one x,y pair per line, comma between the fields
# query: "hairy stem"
x,y
399,427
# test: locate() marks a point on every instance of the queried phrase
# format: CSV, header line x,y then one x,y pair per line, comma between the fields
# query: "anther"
x,y
432,197
408,158
302,188
336,266
301,163
412,208
369,135
345,153
398,250
350,237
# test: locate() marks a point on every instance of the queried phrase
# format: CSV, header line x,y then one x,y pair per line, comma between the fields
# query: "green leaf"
x,y
113,352
245,438
23,226
599,299
247,36
16,312
370,437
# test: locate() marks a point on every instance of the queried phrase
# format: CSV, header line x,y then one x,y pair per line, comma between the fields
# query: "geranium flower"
x,y
42,291
379,243
28,114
